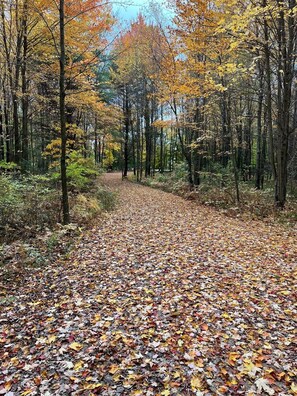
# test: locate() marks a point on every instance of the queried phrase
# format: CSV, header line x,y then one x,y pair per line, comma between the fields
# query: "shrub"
x,y
26,205
180,173
8,166
81,172
106,198
85,208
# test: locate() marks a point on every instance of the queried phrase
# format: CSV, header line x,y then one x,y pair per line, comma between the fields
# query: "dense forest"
x,y
109,286
210,94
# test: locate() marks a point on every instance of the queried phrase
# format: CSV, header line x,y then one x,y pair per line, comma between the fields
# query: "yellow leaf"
x,y
76,346
27,392
165,392
78,365
294,388
92,386
51,339
232,382
233,356
196,383
285,292
97,317
15,361
249,368
267,346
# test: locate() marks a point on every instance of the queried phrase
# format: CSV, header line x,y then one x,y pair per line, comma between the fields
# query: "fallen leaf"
x,y
196,383
262,384
76,346
92,386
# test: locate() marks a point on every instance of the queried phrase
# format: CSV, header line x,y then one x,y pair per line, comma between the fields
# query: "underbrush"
x,y
20,258
87,206
175,182
217,190
31,234
27,205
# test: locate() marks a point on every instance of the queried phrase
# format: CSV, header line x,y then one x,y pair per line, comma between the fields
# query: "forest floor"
x,y
164,297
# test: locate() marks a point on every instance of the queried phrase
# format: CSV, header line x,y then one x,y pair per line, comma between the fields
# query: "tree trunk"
x,y
225,132
260,161
126,131
8,145
268,97
96,154
286,29
162,160
25,99
233,154
148,138
138,147
1,135
15,89
133,146
282,172
235,170
62,94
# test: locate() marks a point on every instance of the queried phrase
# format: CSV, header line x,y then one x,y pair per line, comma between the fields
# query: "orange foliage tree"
x,y
76,29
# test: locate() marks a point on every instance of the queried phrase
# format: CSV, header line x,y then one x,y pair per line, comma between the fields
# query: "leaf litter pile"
x,y
164,298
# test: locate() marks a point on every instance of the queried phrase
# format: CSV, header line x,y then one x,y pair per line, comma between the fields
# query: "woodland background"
x,y
162,296
204,105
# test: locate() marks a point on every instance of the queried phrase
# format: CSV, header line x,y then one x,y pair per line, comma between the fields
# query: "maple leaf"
x,y
249,368
263,384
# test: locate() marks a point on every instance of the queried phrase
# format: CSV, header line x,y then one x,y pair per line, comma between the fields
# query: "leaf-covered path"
x,y
164,298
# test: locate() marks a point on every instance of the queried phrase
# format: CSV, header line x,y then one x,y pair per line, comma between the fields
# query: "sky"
x,y
127,11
